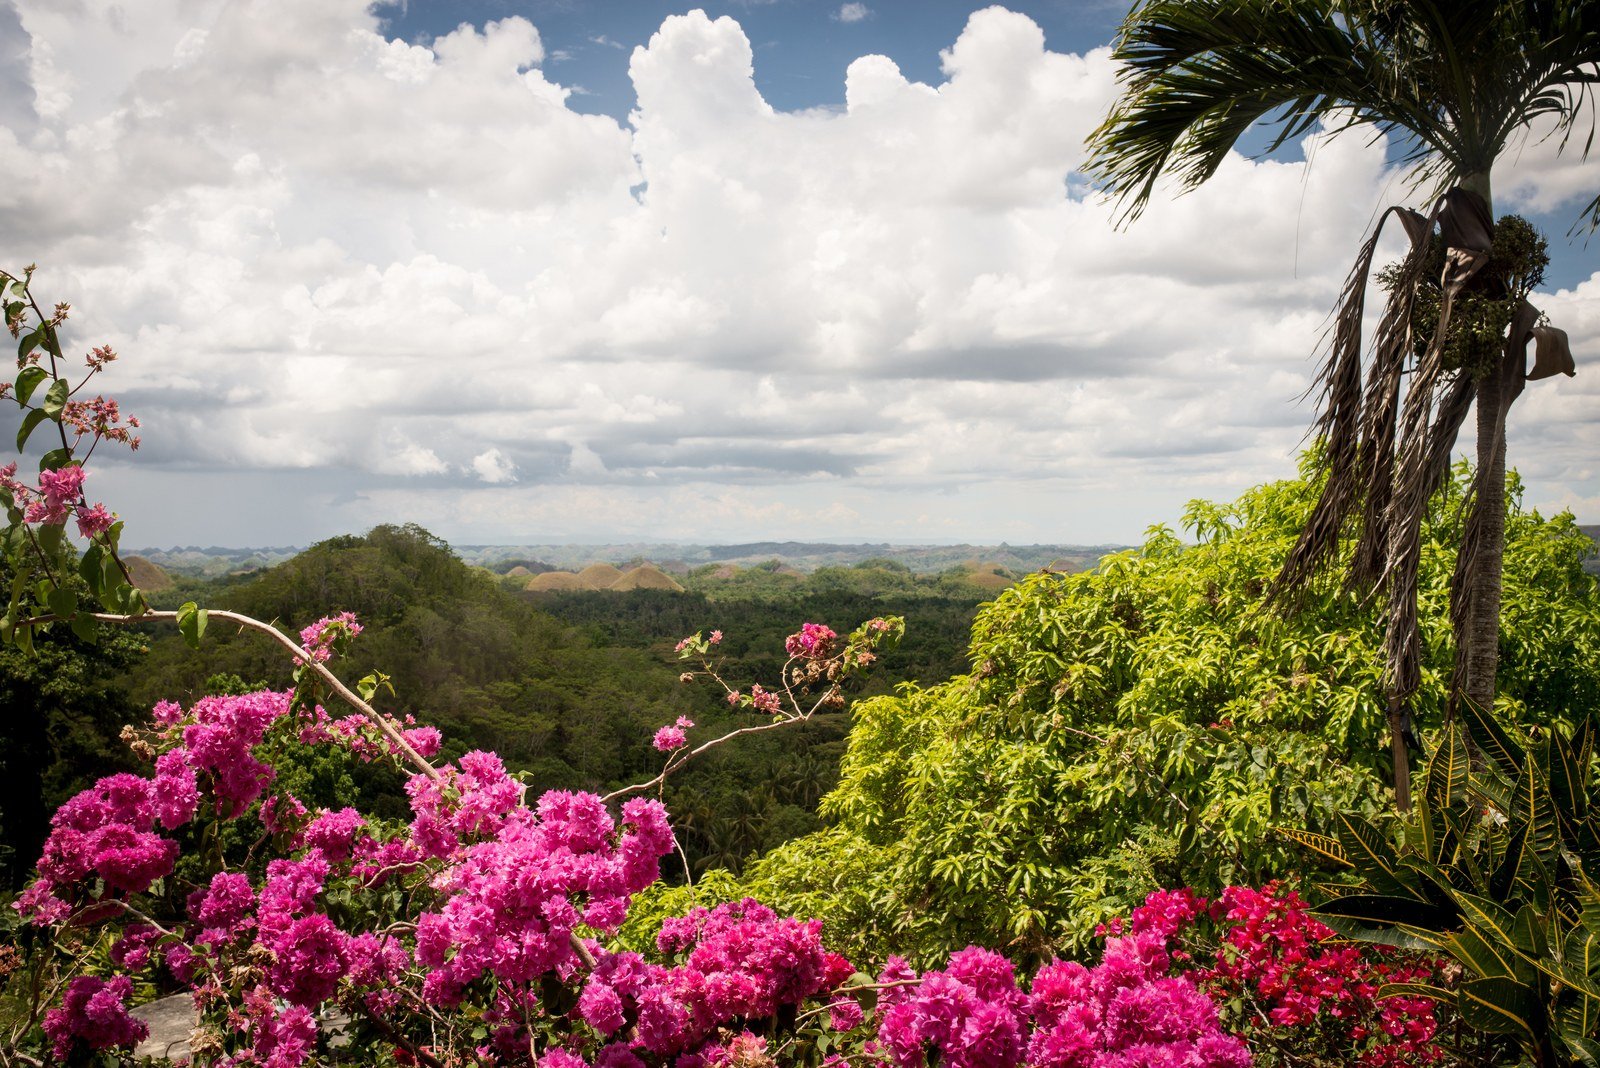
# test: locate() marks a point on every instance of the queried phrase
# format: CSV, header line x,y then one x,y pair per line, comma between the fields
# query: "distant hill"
x,y
557,580
146,575
804,556
646,577
989,576
1592,565
600,576
213,560
670,558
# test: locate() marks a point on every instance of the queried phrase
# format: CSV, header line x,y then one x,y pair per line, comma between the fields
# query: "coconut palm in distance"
x,y
1453,84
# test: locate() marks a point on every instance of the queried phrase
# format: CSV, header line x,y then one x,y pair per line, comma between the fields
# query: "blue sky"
x,y
802,47
540,272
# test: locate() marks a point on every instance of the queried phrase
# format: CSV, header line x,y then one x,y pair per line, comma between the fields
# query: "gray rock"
x,y
170,1019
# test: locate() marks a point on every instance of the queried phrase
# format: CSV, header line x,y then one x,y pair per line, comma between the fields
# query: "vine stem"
x,y
675,761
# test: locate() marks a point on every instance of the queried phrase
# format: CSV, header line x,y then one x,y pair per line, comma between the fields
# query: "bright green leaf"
x,y
28,378
29,421
55,399
191,623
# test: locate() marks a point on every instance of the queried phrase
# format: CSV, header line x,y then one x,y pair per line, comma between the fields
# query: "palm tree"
x,y
1452,83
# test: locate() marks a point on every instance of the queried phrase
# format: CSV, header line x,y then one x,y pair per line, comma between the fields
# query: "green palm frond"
x,y
1450,82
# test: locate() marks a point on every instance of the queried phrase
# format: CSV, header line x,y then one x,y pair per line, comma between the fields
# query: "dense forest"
x,y
567,687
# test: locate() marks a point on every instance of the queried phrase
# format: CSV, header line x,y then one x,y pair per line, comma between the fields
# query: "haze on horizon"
x,y
364,268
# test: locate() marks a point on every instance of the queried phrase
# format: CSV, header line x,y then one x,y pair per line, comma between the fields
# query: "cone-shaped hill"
x,y
557,580
599,576
145,575
647,577
986,575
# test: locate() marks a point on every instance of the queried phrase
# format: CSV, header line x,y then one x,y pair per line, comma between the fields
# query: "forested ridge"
x,y
566,687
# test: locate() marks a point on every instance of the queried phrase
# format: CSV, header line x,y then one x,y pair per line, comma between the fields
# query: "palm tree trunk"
x,y
1481,636
1402,759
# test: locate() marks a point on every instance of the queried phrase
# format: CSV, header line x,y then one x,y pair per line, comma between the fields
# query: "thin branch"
x,y
398,1039
640,787
43,559
382,722
144,916
582,951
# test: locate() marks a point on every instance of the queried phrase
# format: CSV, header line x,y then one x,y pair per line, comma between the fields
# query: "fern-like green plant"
x,y
1496,868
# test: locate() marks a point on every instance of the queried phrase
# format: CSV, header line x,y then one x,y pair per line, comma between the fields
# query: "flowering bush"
x,y
472,933
476,932
1294,989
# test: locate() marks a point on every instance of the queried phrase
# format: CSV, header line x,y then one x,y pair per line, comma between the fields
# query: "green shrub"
x,y
1149,724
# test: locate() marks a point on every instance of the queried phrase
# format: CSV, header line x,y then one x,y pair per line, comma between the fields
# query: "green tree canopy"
x,y
1149,724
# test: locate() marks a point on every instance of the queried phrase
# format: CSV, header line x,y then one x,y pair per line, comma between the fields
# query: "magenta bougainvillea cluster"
x,y
502,888
324,637
734,964
813,641
1126,1012
58,494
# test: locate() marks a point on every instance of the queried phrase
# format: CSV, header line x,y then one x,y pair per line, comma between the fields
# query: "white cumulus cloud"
x,y
416,277
494,467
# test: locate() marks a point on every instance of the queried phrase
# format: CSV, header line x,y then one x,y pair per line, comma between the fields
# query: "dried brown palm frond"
x,y
1382,459
1341,426
1467,232
1392,344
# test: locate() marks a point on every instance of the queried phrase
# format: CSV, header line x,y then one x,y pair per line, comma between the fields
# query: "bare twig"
x,y
378,719
398,1039
639,787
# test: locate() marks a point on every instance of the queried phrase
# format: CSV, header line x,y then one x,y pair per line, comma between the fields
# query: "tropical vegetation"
x,y
1138,820
1452,84
1150,724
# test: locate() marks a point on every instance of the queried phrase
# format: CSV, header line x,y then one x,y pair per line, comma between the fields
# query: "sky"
x,y
531,271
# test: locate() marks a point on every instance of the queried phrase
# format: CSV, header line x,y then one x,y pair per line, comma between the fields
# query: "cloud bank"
x,y
371,280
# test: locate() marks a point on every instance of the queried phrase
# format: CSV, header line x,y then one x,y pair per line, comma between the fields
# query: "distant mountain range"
x,y
802,555
216,560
